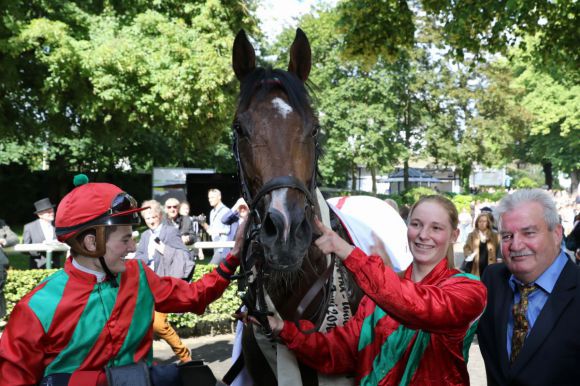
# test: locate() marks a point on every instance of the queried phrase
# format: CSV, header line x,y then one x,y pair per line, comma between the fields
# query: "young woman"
x,y
410,329
482,245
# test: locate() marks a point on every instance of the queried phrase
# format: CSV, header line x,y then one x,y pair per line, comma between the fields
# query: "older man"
x,y
163,251
180,222
39,231
529,333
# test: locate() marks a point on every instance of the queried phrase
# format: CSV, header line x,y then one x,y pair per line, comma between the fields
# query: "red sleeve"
x,y
332,352
441,308
176,295
22,356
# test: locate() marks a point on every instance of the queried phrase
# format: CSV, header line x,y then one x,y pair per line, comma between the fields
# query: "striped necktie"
x,y
521,325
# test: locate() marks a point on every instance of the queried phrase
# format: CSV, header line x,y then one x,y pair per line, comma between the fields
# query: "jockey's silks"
x,y
403,332
70,323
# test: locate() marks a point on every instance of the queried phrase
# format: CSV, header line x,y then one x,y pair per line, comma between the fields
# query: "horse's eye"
x,y
315,131
238,128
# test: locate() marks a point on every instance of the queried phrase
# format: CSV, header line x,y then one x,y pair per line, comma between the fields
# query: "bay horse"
x,y
276,146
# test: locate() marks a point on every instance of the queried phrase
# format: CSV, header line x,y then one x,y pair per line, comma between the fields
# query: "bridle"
x,y
253,254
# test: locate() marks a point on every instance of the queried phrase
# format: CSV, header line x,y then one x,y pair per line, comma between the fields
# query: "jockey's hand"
x,y
330,242
239,241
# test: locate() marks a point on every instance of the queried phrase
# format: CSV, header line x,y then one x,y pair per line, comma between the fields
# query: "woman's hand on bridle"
x,y
239,240
276,324
330,242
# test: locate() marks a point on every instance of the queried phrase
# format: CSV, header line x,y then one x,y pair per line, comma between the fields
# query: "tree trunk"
x,y
548,177
464,173
353,177
406,175
374,179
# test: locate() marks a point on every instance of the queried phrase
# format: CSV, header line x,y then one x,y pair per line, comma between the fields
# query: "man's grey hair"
x,y
153,205
510,202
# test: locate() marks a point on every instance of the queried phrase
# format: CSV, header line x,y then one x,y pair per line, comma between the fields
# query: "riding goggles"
x,y
123,211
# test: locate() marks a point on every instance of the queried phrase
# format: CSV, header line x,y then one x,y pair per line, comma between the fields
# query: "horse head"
x,y
275,140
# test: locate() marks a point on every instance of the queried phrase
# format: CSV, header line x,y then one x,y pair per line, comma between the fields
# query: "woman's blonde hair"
x,y
451,210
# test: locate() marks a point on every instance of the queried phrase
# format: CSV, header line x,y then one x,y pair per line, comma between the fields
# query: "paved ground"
x,y
216,352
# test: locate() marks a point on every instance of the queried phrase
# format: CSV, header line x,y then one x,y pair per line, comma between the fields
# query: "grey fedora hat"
x,y
43,204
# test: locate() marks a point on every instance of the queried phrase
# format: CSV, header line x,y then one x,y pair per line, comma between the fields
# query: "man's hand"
x,y
239,240
330,242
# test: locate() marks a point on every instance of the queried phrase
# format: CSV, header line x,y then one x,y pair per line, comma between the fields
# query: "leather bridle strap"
x,y
282,182
311,294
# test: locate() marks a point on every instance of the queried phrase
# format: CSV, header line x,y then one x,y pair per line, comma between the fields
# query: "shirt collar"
x,y
547,280
100,276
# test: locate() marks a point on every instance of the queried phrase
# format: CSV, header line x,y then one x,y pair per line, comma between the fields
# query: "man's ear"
x,y
90,242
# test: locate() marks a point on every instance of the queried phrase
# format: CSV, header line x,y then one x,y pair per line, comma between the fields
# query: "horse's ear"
x,y
300,56
243,56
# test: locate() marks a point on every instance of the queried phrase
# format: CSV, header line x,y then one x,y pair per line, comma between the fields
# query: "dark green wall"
x,y
20,188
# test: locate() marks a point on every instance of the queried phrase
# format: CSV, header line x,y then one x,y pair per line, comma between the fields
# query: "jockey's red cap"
x,y
92,205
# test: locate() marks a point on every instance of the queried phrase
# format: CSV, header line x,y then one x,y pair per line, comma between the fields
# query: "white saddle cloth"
x,y
362,215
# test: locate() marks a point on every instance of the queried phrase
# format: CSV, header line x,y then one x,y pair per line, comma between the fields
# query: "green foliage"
x,y
411,196
378,28
526,183
219,312
462,201
93,87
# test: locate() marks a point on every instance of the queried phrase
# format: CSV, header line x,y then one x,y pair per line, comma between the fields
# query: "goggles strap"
x,y
110,275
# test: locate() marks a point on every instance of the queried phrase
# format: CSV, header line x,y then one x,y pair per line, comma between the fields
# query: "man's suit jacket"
x,y
176,260
33,234
551,352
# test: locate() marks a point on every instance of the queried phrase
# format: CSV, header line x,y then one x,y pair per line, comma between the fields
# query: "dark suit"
x,y
33,234
551,352
176,261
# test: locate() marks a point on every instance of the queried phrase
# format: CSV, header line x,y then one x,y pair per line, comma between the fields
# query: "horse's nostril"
x,y
269,227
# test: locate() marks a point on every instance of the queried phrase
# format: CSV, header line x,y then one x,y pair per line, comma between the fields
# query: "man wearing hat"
x,y
91,322
39,231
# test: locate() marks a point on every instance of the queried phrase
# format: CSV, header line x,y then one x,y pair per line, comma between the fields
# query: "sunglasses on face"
x,y
171,206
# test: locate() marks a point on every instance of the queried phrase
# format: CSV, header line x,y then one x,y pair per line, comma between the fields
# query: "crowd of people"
x,y
96,317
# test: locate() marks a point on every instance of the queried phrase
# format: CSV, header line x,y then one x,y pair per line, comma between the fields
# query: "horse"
x,y
276,145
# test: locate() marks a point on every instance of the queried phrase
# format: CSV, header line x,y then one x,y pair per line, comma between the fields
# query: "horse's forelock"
x,y
263,80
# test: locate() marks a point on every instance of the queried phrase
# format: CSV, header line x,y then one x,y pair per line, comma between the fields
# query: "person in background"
x,y
481,246
235,216
464,225
184,210
528,334
161,248
91,323
216,229
410,329
40,231
7,239
178,221
392,203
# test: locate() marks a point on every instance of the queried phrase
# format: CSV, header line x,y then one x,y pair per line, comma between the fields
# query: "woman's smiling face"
x,y
430,233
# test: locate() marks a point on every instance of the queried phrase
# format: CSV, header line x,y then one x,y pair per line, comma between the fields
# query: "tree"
x,y
358,125
118,80
382,28
552,137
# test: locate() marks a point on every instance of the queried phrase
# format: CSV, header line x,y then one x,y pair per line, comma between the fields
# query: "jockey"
x,y
91,322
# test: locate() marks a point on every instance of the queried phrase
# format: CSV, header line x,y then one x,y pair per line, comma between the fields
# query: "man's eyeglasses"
x,y
171,206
